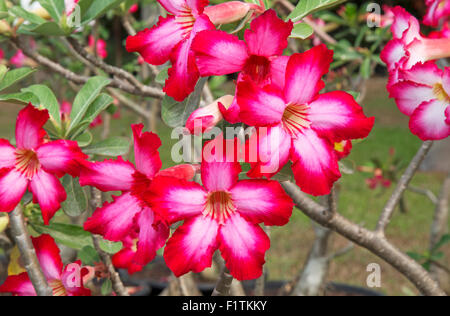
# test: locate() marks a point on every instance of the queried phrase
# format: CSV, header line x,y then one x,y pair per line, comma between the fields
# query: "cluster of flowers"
x,y
420,88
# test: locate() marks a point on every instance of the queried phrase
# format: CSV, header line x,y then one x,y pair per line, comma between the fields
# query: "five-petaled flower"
x,y
64,281
222,214
35,163
129,215
298,123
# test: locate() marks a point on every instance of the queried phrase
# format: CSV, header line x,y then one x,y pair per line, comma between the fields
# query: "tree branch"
x,y
402,185
27,252
370,240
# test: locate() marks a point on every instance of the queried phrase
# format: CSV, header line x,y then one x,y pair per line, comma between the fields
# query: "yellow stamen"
x,y
440,93
219,206
27,162
295,118
58,288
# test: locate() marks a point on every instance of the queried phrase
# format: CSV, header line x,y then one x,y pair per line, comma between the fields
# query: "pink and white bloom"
x,y
444,32
424,95
222,214
35,164
438,12
18,59
171,39
297,123
129,215
100,48
65,281
231,11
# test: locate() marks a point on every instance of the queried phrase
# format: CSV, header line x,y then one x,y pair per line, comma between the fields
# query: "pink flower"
x,y
438,11
101,46
65,281
222,214
129,215
65,109
231,11
343,148
133,9
96,122
171,39
70,6
423,93
298,123
443,33
35,163
2,54
18,60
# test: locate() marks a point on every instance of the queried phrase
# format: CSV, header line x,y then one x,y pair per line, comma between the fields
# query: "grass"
x,y
291,243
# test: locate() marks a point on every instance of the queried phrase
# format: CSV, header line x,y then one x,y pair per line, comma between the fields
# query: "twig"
x,y
117,284
401,186
370,240
224,284
27,253
430,195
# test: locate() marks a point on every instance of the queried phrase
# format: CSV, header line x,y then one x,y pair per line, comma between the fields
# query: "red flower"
x,y
66,281
100,49
222,214
18,60
171,39
35,163
299,124
129,215
438,11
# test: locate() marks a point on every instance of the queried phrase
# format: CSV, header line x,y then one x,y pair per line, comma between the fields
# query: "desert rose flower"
x,y
65,281
424,95
171,39
231,11
35,164
18,59
443,33
133,9
299,124
100,48
438,11
129,214
223,214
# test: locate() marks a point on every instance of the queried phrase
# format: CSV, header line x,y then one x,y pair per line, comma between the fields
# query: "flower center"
x,y
186,19
219,205
27,162
295,118
58,288
258,67
440,93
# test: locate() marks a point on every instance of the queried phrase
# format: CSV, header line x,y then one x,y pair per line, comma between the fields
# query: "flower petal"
x,y
424,73
60,157
146,151
268,35
219,53
428,121
152,236
268,151
401,21
393,53
205,118
259,106
262,201
114,220
192,246
337,115
108,175
48,192
49,257
176,199
7,156
447,115
243,246
29,127
410,95
304,72
183,172
18,285
124,260
315,164
13,185
278,71
183,74
446,81
156,44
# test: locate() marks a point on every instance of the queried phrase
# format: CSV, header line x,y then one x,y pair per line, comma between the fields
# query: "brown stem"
x,y
27,253
370,240
224,284
402,185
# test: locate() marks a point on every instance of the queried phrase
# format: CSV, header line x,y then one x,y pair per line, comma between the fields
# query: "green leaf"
x,y
14,76
49,28
85,139
47,100
444,240
307,7
114,146
3,71
3,6
27,15
365,69
162,76
175,113
98,8
20,98
106,287
71,236
76,202
415,256
302,31
85,97
88,256
110,247
54,7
